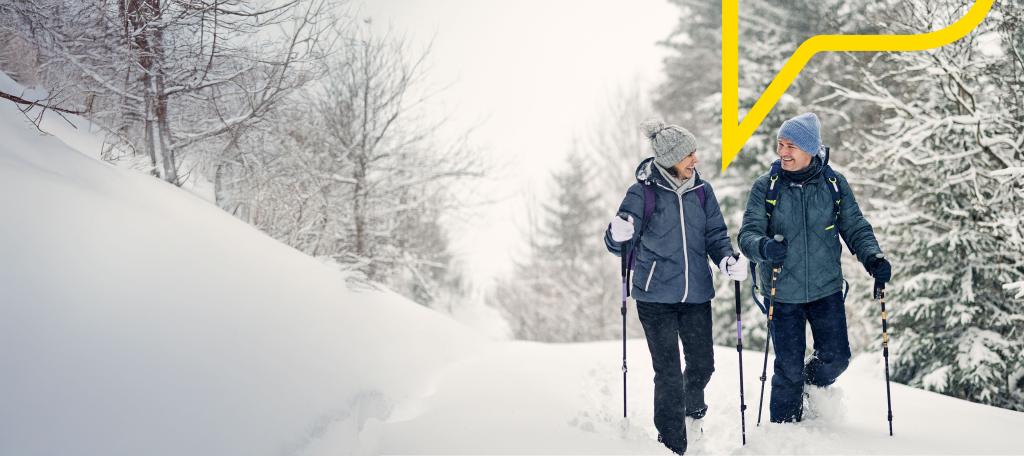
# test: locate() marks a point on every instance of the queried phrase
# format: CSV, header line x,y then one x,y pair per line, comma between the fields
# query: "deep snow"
x,y
137,318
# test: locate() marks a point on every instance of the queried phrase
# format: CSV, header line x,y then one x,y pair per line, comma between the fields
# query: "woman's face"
x,y
685,168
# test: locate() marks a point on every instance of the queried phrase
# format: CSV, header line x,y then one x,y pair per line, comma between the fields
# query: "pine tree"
x,y
946,157
565,290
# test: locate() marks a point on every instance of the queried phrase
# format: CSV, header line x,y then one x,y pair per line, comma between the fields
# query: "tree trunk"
x,y
137,15
163,120
360,207
141,18
148,127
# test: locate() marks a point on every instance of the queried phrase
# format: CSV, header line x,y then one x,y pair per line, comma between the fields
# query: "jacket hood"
x,y
646,172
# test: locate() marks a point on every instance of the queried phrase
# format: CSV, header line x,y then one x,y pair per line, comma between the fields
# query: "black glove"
x,y
879,268
773,251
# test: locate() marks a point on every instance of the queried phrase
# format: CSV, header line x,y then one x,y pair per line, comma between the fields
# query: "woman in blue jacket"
x,y
672,278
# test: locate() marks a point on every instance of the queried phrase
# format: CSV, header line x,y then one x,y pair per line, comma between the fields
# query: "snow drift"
x,y
137,319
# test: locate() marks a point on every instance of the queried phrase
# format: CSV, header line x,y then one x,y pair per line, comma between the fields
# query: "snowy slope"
x,y
136,318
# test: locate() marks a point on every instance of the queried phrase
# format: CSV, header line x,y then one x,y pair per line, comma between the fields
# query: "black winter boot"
x,y
674,447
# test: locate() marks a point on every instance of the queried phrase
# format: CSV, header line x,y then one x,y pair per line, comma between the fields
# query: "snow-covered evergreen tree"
x,y
946,155
568,287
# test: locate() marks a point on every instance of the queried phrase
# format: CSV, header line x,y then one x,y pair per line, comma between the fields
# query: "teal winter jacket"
x,y
803,214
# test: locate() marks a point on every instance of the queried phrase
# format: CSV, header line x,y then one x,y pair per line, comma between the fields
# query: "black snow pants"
x,y
678,393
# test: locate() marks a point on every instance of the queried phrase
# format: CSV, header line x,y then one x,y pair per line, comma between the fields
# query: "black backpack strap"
x,y
771,196
754,289
833,188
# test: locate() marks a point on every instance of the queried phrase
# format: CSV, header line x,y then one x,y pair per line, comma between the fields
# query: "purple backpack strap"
x,y
701,196
649,198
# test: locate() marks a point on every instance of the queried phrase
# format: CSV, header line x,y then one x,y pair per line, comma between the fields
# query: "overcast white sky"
x,y
531,74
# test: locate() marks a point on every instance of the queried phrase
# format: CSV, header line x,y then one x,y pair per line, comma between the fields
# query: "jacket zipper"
x,y
682,228
807,271
686,253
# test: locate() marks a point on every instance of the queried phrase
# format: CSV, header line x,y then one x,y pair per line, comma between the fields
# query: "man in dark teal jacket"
x,y
809,285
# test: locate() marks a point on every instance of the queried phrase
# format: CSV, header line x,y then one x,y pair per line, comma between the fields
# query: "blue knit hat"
x,y
804,131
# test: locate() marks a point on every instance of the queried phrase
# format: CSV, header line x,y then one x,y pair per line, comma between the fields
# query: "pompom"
x,y
651,127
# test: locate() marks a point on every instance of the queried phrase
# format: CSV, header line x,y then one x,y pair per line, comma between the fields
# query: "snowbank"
x,y
138,319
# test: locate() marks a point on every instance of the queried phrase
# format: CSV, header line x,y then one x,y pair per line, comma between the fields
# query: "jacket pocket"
x,y
650,274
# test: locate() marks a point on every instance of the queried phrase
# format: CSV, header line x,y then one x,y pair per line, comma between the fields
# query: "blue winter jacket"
x,y
672,258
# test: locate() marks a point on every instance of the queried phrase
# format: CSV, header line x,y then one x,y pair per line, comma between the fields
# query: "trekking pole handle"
x,y
878,284
775,268
736,291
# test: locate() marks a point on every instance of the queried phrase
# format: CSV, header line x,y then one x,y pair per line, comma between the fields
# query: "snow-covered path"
x,y
528,398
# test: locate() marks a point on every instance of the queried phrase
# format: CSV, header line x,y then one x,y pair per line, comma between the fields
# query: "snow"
x,y
567,399
937,379
976,350
138,318
1019,286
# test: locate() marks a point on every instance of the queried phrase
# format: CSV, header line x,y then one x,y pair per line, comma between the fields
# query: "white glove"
x,y
733,268
622,230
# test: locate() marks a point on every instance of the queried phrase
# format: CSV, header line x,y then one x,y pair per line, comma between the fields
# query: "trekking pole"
x,y
627,263
768,339
739,350
880,296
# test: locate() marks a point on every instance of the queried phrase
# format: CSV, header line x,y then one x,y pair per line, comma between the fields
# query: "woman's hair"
x,y
672,170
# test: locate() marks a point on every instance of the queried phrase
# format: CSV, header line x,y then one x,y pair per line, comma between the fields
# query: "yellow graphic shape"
x,y
735,135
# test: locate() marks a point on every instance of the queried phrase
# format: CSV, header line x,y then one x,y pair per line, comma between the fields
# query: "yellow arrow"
x,y
734,135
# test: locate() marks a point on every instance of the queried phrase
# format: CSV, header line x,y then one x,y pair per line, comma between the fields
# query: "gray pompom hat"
x,y
671,143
